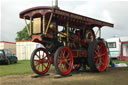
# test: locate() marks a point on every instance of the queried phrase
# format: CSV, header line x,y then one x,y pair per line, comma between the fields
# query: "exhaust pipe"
x,y
55,3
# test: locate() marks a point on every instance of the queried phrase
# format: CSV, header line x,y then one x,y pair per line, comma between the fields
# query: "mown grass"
x,y
116,61
22,67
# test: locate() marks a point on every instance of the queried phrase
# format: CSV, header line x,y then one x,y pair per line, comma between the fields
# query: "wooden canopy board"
x,y
74,20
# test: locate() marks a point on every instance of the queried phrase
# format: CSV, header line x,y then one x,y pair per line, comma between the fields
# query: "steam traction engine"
x,y
68,39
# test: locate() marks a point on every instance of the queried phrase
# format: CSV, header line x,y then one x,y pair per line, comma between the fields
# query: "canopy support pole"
x,y
30,25
99,32
67,33
27,26
43,24
49,23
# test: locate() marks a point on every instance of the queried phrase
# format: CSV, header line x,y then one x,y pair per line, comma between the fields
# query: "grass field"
x,y
115,61
23,67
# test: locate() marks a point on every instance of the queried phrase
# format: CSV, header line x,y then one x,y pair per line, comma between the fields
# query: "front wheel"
x,y
63,61
40,62
97,56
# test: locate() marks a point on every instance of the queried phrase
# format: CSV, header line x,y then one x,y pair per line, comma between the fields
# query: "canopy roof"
x,y
74,20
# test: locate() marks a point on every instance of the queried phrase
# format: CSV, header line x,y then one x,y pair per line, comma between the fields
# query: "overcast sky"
x,y
114,11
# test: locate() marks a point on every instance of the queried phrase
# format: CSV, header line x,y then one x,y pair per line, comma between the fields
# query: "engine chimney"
x,y
55,3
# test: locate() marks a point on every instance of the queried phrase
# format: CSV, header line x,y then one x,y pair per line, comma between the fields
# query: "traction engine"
x,y
68,39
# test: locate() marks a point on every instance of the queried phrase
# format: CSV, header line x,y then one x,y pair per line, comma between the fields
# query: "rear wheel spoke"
x,y
97,61
65,67
102,55
102,64
60,65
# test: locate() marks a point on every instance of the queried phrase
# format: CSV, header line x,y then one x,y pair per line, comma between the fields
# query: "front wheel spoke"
x,y
37,64
43,55
38,67
38,56
45,60
44,65
39,53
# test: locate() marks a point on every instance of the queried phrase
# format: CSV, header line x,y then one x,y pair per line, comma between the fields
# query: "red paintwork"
x,y
33,9
121,57
74,20
34,37
4,56
7,42
121,54
124,41
101,56
79,53
65,60
24,41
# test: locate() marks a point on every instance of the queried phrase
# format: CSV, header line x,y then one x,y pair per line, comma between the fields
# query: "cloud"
x,y
111,11
0,21
10,9
11,23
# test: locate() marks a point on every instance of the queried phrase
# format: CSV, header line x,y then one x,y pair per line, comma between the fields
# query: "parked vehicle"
x,y
6,57
118,47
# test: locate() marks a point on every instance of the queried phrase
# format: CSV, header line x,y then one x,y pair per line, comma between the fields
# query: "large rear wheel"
x,y
63,61
97,56
40,61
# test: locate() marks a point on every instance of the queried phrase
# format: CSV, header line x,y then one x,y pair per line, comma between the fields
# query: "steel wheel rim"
x,y
41,61
100,56
65,61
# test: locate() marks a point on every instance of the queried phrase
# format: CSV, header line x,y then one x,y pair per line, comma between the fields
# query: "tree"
x,y
23,34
